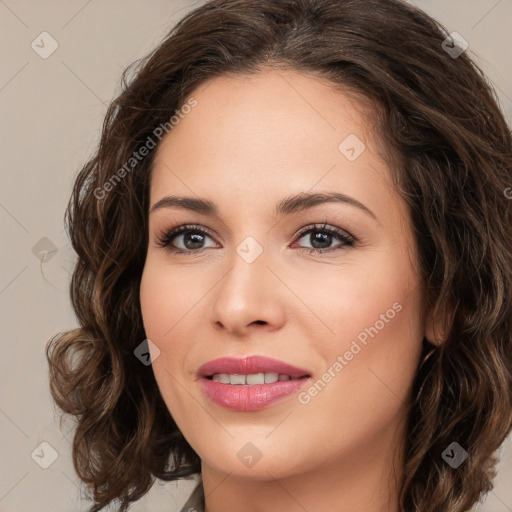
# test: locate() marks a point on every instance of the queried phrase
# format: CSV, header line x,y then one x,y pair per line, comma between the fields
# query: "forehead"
x,y
254,139
259,105
286,117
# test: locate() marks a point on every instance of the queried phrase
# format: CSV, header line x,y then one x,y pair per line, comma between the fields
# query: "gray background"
x,y
52,110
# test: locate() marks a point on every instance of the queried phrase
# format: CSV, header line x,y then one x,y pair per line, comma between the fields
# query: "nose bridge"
x,y
250,237
247,292
249,272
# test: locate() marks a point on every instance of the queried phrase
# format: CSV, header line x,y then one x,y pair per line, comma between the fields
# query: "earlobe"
x,y
435,339
438,325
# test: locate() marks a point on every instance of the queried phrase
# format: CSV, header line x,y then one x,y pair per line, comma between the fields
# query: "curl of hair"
x,y
451,153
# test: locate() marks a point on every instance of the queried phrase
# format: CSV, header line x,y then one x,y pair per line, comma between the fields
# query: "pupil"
x,y
322,238
194,236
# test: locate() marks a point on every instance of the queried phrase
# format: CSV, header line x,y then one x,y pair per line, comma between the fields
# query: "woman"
x,y
370,373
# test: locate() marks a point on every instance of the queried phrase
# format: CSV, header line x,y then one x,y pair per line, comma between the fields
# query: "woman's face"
x,y
350,316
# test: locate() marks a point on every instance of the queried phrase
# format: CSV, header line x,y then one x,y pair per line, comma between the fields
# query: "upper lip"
x,y
250,365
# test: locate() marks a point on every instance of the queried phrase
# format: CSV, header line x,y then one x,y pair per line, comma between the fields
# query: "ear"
x,y
438,325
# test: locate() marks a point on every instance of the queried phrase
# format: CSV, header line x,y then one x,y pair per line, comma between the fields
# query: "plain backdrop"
x,y
51,114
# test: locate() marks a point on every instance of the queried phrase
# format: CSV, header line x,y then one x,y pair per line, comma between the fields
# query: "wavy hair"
x,y
441,126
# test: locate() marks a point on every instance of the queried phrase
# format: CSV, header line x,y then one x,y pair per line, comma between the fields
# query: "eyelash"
x,y
165,237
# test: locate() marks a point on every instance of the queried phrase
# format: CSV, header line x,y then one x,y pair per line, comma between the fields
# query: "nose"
x,y
249,298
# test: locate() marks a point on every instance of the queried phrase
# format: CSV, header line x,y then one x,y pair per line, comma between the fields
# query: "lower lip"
x,y
243,397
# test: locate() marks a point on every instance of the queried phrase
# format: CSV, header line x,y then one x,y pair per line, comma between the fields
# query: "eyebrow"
x,y
292,204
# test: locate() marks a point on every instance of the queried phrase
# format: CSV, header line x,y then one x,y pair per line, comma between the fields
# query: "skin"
x,y
250,142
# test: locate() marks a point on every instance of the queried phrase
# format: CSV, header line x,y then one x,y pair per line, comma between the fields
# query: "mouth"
x,y
231,370
252,379
250,383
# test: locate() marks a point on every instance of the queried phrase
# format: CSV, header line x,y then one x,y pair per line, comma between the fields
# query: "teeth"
x,y
272,377
253,378
221,377
237,379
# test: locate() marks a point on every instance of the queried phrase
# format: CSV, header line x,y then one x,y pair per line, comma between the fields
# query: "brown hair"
x,y
439,119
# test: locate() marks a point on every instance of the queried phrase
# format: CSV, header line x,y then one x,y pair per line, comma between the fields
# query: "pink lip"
x,y
250,397
249,365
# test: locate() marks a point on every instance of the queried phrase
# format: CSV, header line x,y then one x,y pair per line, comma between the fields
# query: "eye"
x,y
323,237
191,235
189,239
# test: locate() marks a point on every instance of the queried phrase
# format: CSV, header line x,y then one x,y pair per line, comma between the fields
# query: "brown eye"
x,y
321,237
190,239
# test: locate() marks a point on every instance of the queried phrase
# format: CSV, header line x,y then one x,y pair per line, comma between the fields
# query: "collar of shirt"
x,y
195,502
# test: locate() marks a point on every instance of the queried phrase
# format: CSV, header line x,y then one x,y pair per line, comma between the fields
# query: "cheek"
x,y
171,310
356,300
166,296
162,308
365,385
375,354
374,315
155,302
